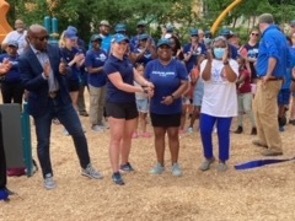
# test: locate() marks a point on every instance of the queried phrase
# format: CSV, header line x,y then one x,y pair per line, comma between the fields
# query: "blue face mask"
x,y
219,52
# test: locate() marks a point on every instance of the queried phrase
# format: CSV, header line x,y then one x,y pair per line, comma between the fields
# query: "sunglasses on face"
x,y
254,34
46,37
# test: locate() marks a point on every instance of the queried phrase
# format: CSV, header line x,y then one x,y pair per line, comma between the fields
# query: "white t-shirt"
x,y
220,95
20,38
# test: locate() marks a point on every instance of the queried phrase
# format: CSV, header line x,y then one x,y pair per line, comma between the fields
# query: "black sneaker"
x,y
117,178
126,168
254,131
239,130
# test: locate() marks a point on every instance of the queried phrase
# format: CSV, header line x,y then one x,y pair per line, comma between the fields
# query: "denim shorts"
x,y
143,105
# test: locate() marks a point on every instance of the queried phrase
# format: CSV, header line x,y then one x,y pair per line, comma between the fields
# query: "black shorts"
x,y
161,120
126,111
73,86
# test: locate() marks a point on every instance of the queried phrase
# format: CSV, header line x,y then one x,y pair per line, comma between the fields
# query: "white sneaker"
x,y
190,130
97,128
176,170
49,182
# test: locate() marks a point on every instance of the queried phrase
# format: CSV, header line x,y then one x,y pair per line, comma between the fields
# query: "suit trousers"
x,y
69,118
265,106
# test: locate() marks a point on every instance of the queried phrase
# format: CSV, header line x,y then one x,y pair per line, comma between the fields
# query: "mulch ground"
x,y
262,194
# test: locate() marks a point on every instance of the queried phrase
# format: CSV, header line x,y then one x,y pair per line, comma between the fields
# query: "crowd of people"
x,y
132,81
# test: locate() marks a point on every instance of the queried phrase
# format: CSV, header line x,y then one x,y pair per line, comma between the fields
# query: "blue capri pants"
x,y
223,124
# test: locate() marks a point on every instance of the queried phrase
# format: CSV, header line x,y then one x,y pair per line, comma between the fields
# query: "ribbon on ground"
x,y
260,163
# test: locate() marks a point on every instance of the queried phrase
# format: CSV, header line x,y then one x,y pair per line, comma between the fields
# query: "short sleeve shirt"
x,y
166,79
125,69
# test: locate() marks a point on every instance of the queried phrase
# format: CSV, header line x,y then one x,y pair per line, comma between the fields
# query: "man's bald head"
x,y
38,36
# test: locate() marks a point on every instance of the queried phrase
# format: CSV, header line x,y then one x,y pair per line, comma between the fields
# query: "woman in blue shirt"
x,y
120,104
171,80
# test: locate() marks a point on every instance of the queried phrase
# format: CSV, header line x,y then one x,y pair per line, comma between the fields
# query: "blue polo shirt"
x,y
200,50
96,59
68,56
167,80
125,68
288,72
13,76
273,44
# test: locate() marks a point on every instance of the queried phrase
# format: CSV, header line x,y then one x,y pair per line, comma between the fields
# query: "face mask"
x,y
219,52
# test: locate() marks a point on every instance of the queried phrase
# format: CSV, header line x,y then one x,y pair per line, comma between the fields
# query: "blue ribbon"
x,y
260,163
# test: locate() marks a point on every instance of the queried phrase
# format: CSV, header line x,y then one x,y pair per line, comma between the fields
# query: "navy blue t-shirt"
x,y
13,76
125,68
96,59
68,56
167,80
197,52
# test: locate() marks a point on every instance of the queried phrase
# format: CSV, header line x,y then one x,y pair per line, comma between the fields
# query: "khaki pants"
x,y
97,102
245,106
265,106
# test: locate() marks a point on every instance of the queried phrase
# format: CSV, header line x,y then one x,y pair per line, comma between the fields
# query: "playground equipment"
x,y
223,15
51,25
4,25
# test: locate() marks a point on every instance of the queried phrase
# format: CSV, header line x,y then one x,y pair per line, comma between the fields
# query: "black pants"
x,y
12,92
3,179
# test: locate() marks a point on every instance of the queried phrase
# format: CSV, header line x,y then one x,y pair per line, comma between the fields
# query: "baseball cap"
x,y
141,23
194,32
164,41
143,36
95,37
120,28
12,43
119,38
105,23
70,34
73,29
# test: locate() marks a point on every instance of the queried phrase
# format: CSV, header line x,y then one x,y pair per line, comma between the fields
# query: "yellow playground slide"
x,y
5,28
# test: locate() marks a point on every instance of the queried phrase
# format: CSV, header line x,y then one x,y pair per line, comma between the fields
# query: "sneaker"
x,y
96,128
271,153
49,182
239,130
222,167
254,131
83,128
91,173
4,195
281,129
84,114
176,170
206,164
158,169
190,130
117,178
8,191
126,168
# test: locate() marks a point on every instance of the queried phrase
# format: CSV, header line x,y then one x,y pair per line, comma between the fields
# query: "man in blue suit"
x,y
43,75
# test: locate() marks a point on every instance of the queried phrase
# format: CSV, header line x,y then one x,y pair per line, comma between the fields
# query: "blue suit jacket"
x,y
33,81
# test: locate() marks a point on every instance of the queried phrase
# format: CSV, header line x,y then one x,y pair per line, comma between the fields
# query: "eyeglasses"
x,y
254,34
46,37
